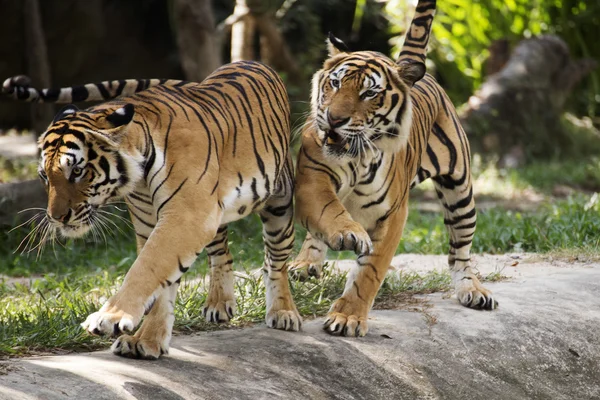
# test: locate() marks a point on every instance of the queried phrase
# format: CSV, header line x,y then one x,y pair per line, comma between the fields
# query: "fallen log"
x,y
19,196
519,108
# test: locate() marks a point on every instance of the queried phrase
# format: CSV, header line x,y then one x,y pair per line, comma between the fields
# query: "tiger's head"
x,y
361,102
85,162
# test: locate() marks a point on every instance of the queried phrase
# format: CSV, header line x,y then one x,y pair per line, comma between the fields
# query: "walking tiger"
x,y
188,158
377,128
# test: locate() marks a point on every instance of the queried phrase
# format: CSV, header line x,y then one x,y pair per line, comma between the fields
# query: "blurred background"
x,y
523,75
66,42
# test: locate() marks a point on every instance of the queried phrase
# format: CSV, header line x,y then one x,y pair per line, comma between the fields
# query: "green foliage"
x,y
464,29
15,170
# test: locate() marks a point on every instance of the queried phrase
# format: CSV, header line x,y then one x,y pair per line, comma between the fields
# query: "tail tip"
x,y
15,82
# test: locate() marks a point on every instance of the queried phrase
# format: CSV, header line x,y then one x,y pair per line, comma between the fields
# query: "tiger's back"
x,y
232,130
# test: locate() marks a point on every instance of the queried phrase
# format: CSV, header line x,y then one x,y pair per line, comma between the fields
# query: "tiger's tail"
x,y
414,50
18,87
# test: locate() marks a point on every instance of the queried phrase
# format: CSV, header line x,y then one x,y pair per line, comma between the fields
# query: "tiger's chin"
x,y
74,231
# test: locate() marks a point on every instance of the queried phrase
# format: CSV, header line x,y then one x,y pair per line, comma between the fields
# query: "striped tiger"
x,y
376,129
188,158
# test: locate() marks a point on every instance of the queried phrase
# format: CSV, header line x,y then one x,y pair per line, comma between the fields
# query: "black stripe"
x,y
103,91
170,197
79,93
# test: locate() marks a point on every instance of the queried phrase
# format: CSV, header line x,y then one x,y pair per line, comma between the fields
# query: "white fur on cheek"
x,y
133,169
315,93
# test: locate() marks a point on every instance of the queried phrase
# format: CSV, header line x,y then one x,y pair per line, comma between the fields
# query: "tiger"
x,y
377,128
187,158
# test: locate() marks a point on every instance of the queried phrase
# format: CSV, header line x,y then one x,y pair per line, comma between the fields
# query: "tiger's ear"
x,y
117,121
121,116
411,72
335,46
66,110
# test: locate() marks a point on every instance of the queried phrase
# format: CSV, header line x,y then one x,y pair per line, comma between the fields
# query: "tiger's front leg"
x,y
322,213
348,314
181,233
152,339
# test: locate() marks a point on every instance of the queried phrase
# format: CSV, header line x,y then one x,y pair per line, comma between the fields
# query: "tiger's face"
x,y
361,103
83,166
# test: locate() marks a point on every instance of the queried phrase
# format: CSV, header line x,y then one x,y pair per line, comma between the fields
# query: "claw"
x,y
116,329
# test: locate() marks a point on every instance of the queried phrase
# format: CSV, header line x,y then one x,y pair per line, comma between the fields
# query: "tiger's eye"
x,y
77,171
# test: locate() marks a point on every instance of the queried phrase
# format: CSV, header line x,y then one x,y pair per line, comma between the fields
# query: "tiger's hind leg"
x,y
152,338
310,259
220,302
460,218
278,233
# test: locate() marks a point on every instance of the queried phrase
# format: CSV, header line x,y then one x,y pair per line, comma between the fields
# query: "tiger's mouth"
x,y
336,142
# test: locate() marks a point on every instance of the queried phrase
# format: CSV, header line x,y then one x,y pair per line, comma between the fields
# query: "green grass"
x,y
69,281
570,223
577,174
45,315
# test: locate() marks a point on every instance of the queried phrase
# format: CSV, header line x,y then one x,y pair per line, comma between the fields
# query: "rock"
x,y
542,342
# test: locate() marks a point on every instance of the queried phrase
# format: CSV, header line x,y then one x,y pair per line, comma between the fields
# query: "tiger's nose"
x,y
335,121
59,216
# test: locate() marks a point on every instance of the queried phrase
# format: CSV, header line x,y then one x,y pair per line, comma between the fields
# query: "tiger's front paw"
x,y
283,314
139,347
286,320
302,270
112,320
471,293
346,318
219,311
352,237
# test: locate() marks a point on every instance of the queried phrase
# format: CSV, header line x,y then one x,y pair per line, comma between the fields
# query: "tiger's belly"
x,y
245,197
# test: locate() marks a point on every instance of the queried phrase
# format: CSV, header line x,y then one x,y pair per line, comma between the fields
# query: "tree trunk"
x,y
38,67
243,31
196,38
518,109
276,50
499,55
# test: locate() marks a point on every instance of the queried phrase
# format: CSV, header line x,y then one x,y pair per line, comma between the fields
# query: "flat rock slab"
x,y
542,343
